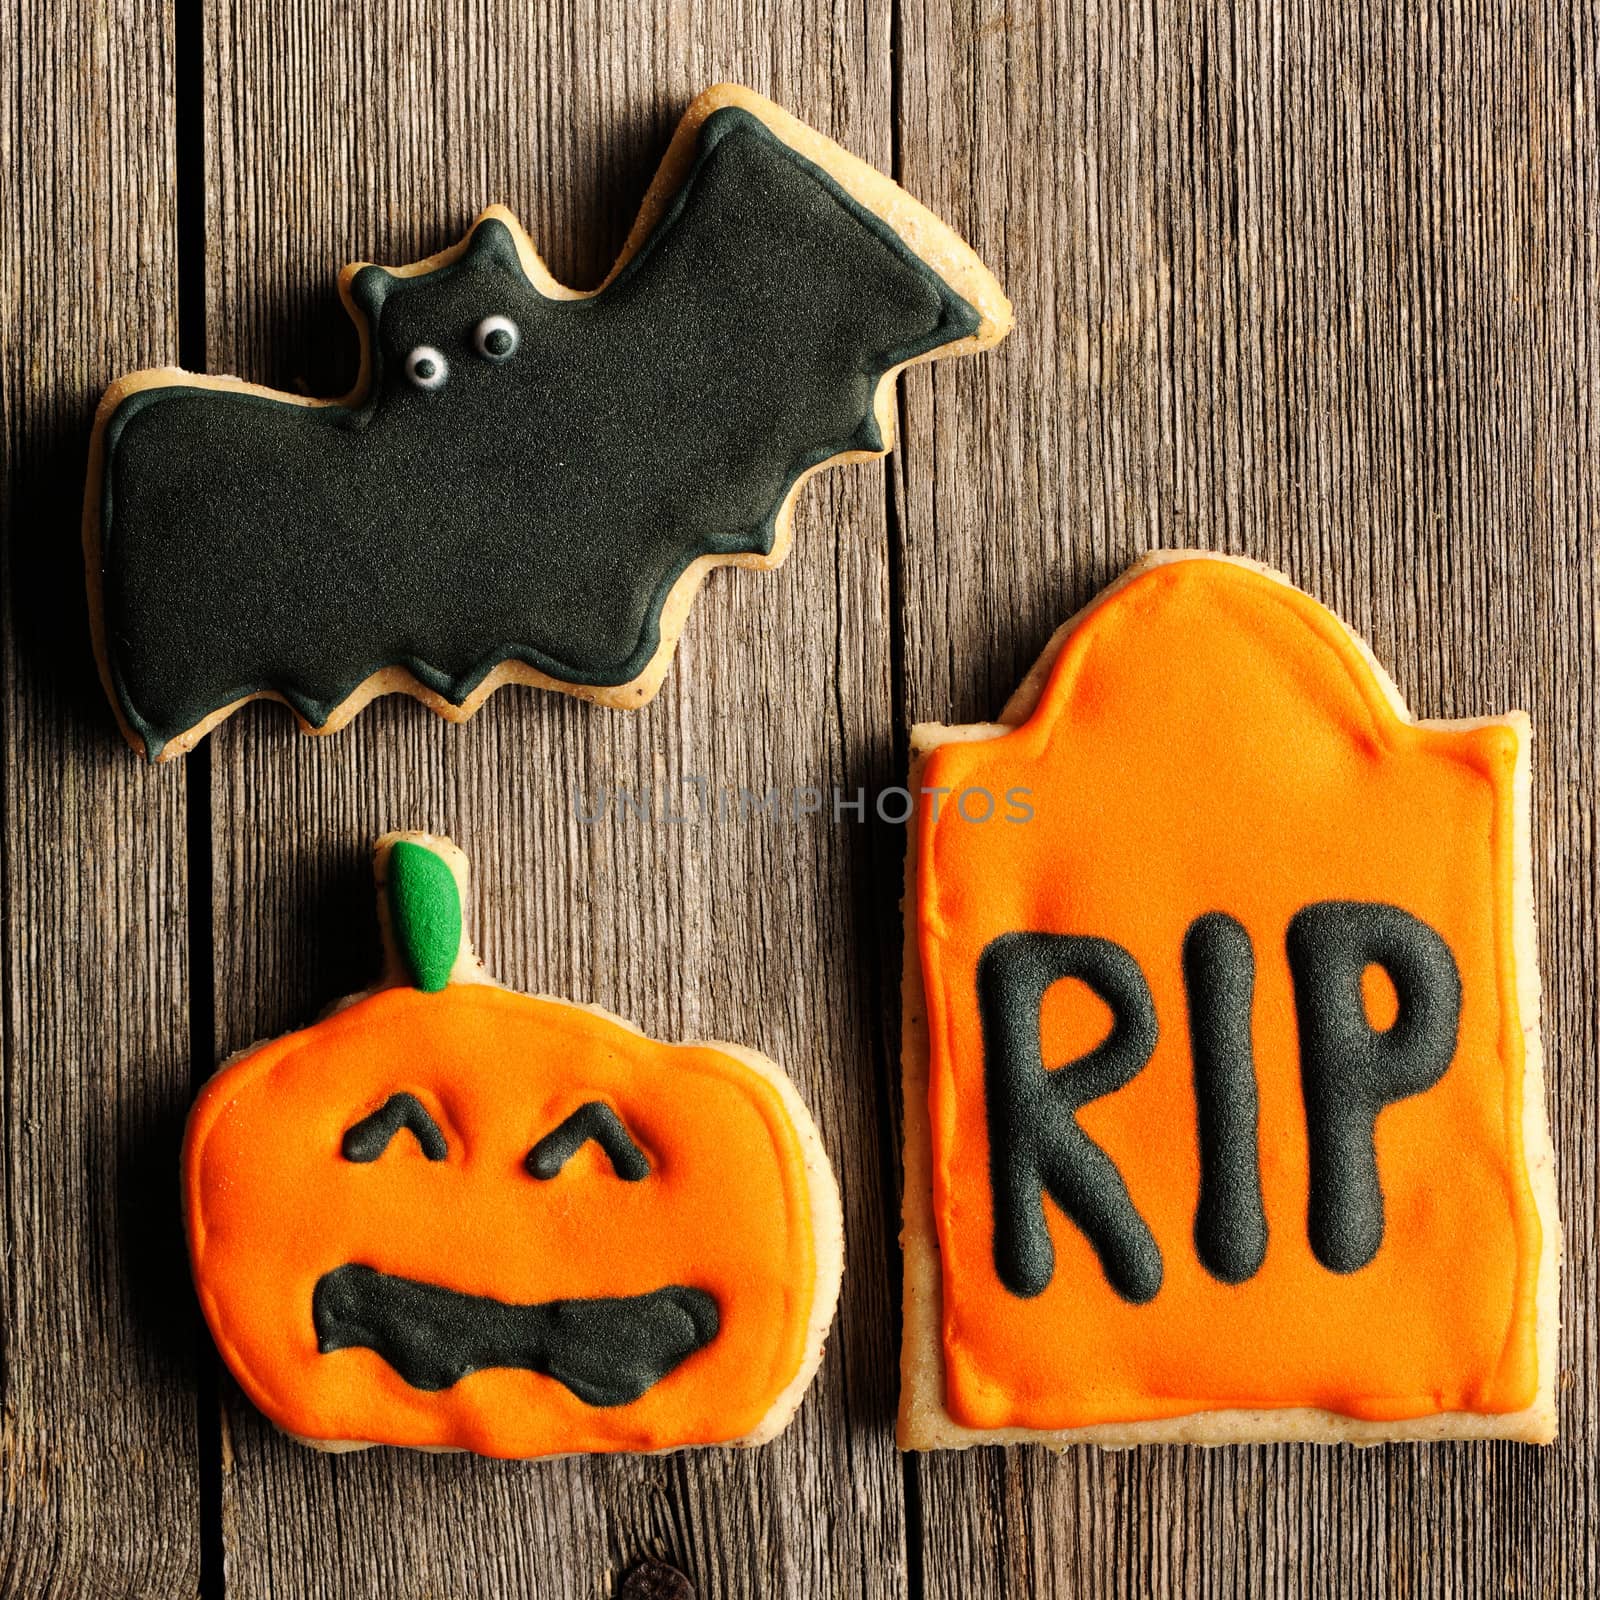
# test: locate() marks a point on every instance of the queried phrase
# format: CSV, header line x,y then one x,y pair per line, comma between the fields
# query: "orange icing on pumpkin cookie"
x,y
1211,741
453,1215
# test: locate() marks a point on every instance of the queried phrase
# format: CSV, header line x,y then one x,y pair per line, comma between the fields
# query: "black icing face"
x,y
607,1351
495,340
454,333
527,476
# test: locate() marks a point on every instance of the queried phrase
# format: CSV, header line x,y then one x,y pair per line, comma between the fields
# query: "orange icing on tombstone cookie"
x,y
480,1219
1210,740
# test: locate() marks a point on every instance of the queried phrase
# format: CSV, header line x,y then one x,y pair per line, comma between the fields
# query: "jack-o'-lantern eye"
x,y
367,1139
596,1121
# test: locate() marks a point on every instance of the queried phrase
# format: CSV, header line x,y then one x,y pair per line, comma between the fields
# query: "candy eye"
x,y
496,338
427,368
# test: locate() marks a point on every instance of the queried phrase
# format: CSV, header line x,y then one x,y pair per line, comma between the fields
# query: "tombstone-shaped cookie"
x,y
1224,1105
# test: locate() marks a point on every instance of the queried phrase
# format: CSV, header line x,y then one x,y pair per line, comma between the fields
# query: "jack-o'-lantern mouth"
x,y
608,1352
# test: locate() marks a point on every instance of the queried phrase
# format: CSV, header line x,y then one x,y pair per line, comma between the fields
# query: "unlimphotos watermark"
x,y
696,799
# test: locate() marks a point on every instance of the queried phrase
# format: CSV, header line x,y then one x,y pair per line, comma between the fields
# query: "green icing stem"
x,y
425,913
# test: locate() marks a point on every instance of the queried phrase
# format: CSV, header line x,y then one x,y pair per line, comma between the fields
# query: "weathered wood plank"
x,y
98,1481
1314,283
378,132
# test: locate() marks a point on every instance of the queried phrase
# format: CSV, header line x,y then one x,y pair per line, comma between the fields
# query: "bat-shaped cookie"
x,y
527,484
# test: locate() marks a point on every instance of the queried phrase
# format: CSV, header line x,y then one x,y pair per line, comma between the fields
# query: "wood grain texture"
x,y
98,1477
337,132
1313,284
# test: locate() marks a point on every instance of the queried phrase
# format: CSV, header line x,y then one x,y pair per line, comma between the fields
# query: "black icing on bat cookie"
x,y
524,477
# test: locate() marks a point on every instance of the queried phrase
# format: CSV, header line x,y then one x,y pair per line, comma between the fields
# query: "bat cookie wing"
x,y
527,484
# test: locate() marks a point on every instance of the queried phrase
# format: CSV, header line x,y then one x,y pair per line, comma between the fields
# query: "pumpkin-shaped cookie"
x,y
449,1215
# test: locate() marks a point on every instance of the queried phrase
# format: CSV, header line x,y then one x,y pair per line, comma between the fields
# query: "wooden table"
x,y
1312,282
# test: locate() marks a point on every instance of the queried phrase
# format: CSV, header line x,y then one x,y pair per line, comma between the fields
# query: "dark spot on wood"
x,y
655,1580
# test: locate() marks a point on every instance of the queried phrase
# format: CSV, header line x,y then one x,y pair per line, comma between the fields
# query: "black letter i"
x,y
1219,975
